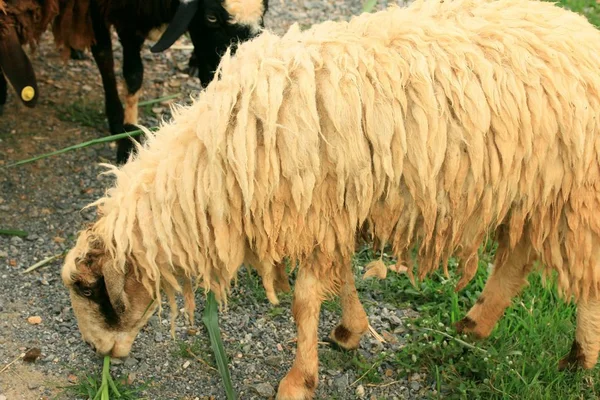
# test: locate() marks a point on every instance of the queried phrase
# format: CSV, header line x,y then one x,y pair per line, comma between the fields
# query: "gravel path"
x,y
45,199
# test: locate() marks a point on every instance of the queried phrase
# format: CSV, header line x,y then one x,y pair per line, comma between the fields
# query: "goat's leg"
x,y
354,318
133,72
585,348
301,381
3,91
103,55
506,281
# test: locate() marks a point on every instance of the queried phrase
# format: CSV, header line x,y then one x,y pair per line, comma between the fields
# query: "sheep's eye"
x,y
231,21
87,292
211,18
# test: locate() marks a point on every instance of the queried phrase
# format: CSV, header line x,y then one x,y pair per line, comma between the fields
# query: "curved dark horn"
x,y
17,68
177,26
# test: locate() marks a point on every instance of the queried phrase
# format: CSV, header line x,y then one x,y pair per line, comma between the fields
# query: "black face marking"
x,y
98,294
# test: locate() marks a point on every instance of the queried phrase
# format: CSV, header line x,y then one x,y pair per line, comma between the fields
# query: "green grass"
x,y
518,361
82,113
589,8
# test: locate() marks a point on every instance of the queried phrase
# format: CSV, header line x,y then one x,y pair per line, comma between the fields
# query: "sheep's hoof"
x,y
295,386
343,339
574,359
473,329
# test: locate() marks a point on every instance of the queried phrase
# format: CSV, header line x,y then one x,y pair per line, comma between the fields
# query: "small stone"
x,y
192,331
415,386
34,320
16,240
33,385
3,254
360,391
264,390
158,337
341,382
72,378
32,354
186,364
273,361
130,362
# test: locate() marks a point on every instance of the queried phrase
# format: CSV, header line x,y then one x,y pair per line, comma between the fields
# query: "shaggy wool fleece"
x,y
434,124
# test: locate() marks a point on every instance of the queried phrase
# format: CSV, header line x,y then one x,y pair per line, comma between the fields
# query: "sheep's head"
x,y
111,306
214,26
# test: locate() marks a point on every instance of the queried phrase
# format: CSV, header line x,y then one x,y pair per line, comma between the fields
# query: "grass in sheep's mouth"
x,y
103,387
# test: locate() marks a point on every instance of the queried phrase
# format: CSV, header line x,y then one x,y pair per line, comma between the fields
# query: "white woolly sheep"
x,y
434,125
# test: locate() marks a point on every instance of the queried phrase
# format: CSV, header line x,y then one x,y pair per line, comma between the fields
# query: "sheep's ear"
x,y
177,27
17,68
115,287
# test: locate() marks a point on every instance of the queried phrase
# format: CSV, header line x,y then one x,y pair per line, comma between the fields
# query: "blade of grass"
x,y
13,232
45,261
210,319
105,373
154,101
111,138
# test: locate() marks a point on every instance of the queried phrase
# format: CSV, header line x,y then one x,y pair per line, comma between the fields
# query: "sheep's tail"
x,y
72,28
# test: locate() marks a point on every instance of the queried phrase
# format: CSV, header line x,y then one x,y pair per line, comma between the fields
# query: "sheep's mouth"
x,y
17,67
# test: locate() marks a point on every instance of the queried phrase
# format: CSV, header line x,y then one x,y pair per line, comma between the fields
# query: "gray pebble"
x,y
264,390
158,337
130,362
341,382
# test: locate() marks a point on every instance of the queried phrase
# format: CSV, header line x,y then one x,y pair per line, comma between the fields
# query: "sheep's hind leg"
x,y
506,281
585,348
302,379
354,318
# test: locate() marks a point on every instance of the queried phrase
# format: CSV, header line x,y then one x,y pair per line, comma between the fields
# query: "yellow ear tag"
x,y
27,93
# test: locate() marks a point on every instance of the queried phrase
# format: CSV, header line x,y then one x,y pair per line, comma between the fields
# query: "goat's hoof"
x,y
296,386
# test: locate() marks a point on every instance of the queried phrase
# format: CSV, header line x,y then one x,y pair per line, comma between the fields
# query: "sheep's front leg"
x,y
354,318
585,348
3,91
301,381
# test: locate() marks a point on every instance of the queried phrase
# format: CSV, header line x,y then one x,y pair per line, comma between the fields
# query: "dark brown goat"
x,y
22,22
213,25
